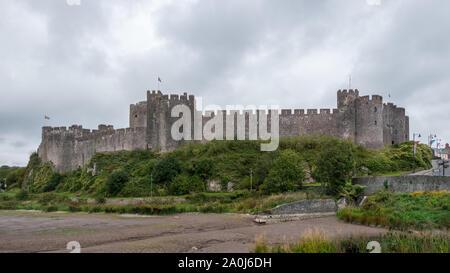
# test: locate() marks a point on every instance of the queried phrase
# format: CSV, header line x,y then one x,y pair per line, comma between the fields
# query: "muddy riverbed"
x,y
32,231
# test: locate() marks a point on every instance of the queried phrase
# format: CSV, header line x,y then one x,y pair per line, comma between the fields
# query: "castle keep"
x,y
366,120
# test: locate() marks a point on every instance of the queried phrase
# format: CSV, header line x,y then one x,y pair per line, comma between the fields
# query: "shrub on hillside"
x,y
71,182
139,186
262,168
15,177
34,163
45,179
184,184
398,157
335,164
165,170
116,181
201,167
286,174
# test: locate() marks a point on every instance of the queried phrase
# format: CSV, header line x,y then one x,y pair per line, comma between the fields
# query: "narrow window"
x,y
375,123
135,116
375,109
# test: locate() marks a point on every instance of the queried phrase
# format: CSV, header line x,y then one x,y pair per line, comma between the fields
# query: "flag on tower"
x,y
159,79
46,117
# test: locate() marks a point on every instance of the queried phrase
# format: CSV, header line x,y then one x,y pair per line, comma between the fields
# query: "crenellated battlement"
x,y
307,112
374,99
348,92
78,131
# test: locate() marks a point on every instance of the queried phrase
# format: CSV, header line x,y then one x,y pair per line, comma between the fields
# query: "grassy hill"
x,y
186,170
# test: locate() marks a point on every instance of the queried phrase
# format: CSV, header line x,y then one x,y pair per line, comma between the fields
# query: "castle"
x,y
367,121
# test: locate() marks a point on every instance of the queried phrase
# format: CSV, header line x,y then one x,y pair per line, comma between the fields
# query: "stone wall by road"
x,y
403,184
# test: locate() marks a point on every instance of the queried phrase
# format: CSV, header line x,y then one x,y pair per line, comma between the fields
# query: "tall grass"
x,y
393,242
420,210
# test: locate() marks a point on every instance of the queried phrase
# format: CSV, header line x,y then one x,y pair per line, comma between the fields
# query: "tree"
x,y
286,174
116,181
165,170
202,167
335,164
184,184
14,178
262,168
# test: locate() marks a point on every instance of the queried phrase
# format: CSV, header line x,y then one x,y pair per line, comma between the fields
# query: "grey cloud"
x,y
85,64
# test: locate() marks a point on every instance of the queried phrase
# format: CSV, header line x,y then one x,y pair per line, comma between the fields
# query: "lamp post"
x,y
415,149
251,179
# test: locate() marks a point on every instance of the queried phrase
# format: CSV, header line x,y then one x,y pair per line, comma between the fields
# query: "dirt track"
x,y
24,231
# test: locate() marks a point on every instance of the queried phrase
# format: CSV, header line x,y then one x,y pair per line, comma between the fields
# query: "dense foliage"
x,y
286,174
11,177
394,158
335,164
188,168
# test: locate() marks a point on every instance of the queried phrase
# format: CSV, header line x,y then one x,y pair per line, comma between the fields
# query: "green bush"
x,y
139,186
184,184
45,179
71,182
34,163
286,174
262,168
116,181
202,167
335,164
351,193
398,157
15,178
22,195
165,170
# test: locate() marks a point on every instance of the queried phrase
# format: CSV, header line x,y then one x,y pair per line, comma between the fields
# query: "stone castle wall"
x,y
366,120
69,149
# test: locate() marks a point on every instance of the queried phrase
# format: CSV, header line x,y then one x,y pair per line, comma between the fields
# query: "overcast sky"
x,y
84,64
